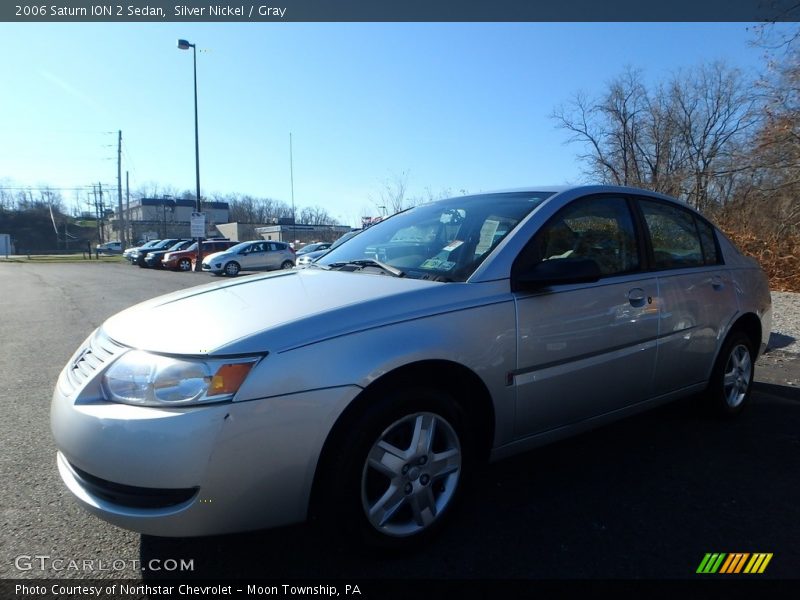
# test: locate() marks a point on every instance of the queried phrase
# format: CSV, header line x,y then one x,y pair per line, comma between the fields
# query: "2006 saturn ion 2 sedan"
x,y
363,390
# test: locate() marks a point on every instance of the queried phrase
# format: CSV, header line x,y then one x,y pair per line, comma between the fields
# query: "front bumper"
x,y
205,470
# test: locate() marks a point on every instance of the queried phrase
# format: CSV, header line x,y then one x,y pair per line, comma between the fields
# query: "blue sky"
x,y
453,105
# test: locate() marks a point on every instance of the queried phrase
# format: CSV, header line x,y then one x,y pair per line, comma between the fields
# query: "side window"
x,y
673,233
709,242
600,229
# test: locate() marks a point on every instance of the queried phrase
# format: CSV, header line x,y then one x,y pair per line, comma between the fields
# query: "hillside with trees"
x,y
724,143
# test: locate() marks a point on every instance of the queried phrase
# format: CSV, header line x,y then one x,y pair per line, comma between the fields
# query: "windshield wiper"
x,y
368,262
317,266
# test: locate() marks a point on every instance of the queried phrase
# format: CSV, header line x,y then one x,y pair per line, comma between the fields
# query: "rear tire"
x,y
287,265
400,469
731,380
184,264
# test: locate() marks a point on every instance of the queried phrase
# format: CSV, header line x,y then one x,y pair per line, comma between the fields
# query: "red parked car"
x,y
182,260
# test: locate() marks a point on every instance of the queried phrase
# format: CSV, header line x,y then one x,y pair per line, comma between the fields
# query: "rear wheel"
x,y
232,269
732,378
184,264
287,265
400,470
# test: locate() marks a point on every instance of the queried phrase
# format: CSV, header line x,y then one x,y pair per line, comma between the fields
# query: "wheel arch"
x,y
467,388
750,325
747,323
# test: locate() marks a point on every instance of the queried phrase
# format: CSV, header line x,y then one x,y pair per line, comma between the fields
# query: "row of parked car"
x,y
222,256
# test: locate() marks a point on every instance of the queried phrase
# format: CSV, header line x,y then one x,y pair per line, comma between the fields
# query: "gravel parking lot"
x,y
645,497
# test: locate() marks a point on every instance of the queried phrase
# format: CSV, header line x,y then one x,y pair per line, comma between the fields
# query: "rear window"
x,y
674,236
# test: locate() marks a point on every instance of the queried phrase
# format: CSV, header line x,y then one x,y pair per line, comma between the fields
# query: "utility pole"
x,y
128,206
120,216
291,178
97,215
102,213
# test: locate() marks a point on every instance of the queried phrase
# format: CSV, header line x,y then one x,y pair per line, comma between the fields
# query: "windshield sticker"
x,y
431,263
488,232
452,245
447,265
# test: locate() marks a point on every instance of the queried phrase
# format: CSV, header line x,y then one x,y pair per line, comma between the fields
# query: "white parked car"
x,y
364,388
109,248
250,256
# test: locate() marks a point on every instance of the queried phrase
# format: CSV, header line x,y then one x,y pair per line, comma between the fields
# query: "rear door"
x,y
585,349
696,296
272,259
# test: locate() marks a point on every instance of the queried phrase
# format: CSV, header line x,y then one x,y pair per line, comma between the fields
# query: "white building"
x,y
167,217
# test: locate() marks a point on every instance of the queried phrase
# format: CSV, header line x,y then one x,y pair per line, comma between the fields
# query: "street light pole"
x,y
184,45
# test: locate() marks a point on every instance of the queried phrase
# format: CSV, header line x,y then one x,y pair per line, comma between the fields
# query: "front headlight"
x,y
151,380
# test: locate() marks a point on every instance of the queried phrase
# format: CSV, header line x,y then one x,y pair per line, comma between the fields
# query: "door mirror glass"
x,y
559,272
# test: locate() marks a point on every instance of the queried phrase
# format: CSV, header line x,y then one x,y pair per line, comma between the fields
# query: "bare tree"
x,y
716,112
315,215
682,139
391,196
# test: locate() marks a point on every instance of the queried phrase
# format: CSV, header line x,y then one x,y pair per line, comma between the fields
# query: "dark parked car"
x,y
137,257
143,246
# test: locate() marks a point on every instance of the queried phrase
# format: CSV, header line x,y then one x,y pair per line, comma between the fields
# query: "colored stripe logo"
x,y
733,563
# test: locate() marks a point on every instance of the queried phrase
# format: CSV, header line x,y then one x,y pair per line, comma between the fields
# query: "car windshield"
x,y
180,245
444,241
238,247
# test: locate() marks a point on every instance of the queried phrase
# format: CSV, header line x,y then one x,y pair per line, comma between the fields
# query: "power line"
x,y
49,188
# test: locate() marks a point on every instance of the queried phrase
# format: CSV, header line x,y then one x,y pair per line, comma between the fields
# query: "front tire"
x,y
401,468
732,377
232,269
184,264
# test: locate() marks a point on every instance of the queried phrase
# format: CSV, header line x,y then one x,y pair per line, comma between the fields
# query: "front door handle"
x,y
636,297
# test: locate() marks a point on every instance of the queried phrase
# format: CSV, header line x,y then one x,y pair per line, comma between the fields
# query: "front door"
x,y
585,349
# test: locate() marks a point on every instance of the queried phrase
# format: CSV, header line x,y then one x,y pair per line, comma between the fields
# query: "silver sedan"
x,y
364,389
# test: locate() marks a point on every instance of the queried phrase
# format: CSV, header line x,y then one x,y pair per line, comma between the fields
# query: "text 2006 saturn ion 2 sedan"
x,y
365,388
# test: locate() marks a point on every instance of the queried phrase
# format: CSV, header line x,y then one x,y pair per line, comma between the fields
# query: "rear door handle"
x,y
716,282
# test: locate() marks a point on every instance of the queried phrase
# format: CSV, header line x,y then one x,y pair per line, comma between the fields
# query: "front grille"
x,y
98,352
132,496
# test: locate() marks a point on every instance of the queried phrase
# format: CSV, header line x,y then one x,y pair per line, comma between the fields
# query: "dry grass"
x,y
779,257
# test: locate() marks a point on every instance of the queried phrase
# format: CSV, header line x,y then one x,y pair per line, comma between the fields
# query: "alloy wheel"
x,y
737,375
411,474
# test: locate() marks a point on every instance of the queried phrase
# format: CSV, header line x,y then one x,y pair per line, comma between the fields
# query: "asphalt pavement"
x,y
646,497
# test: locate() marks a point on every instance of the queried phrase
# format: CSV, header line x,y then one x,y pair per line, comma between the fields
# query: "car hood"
x,y
222,254
278,311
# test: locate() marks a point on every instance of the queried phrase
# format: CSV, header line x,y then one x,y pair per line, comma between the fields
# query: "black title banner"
x,y
399,10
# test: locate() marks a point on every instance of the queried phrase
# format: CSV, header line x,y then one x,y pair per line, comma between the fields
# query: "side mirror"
x,y
559,271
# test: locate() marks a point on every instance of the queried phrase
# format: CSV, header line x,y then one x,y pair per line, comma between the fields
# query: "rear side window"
x,y
674,236
709,242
